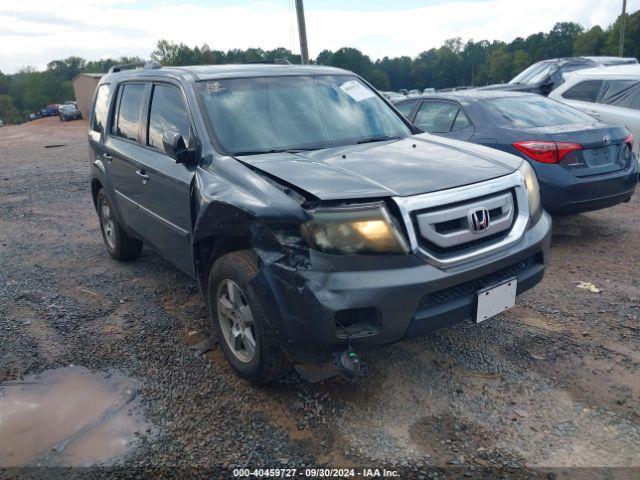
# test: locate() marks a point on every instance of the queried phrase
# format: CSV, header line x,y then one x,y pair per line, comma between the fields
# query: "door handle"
x,y
107,157
594,113
143,176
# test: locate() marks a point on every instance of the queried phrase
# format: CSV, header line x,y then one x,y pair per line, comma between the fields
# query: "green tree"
x,y
631,36
500,68
591,42
8,111
561,39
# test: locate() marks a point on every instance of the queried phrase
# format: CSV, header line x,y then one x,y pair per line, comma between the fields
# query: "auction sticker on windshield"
x,y
356,90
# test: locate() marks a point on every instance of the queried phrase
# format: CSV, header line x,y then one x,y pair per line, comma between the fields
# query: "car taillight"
x,y
629,141
547,152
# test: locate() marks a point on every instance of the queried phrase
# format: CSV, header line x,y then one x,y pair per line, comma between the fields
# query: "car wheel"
x,y
119,245
241,321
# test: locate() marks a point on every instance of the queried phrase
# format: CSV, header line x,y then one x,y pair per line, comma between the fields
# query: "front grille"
x,y
446,229
463,246
449,225
470,287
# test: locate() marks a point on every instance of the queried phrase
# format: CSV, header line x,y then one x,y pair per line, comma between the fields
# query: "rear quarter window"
x,y
621,93
585,91
101,108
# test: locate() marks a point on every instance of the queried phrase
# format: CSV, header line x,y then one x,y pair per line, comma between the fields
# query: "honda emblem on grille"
x,y
480,220
606,139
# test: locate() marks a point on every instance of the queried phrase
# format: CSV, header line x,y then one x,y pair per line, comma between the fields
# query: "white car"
x,y
611,94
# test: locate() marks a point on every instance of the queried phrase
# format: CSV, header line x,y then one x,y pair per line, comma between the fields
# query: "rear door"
x,y
122,149
165,196
445,118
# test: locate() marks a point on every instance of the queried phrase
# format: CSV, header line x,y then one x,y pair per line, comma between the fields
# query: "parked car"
x,y
610,94
69,112
581,163
49,111
313,216
1,123
542,77
392,96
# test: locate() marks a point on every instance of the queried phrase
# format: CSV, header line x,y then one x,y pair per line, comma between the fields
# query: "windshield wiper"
x,y
273,150
377,139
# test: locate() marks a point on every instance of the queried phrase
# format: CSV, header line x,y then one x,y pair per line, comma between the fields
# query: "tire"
x,y
119,245
268,362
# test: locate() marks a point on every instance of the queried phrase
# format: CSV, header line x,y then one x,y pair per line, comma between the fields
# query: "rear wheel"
x,y
119,245
241,322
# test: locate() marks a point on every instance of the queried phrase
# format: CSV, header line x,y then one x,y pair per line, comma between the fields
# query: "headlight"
x,y
354,230
533,189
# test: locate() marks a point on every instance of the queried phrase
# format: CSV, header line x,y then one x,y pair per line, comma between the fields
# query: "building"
x,y
84,86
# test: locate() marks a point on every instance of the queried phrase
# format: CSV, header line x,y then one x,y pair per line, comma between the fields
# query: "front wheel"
x,y
241,321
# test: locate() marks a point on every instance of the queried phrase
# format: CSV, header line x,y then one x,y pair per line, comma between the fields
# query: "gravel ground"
x,y
549,385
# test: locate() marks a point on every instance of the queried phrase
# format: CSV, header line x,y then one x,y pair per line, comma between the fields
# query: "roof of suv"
x,y
470,94
209,72
632,70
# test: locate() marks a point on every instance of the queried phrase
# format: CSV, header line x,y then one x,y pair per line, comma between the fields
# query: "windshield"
x,y
265,114
534,74
535,111
67,107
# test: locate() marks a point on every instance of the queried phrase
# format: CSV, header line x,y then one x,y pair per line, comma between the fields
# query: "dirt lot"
x,y
553,383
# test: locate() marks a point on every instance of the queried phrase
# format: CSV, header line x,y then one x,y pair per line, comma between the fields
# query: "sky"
x,y
34,32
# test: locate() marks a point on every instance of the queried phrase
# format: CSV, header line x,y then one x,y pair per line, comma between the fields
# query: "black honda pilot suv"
x,y
314,217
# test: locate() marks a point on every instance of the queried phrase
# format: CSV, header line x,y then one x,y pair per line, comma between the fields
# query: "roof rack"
x,y
150,65
277,61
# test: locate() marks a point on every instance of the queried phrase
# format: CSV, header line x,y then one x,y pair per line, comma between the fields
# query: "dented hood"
x,y
418,164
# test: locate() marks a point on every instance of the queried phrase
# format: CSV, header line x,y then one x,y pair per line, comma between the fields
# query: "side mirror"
x,y
175,147
547,86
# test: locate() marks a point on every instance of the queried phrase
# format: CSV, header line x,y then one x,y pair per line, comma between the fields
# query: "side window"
x,y
129,101
586,91
406,108
621,93
436,117
461,121
168,112
101,108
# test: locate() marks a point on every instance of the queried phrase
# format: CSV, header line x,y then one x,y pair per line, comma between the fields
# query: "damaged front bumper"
x,y
368,301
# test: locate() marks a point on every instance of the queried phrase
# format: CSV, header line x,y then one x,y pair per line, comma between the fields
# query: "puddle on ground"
x,y
69,417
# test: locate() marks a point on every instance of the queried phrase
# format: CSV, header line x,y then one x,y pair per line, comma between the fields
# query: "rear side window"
x,y
130,100
436,117
461,121
101,108
168,112
621,93
534,111
586,91
406,108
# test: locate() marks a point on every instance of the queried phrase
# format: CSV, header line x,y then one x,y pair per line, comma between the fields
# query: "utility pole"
x,y
302,31
622,20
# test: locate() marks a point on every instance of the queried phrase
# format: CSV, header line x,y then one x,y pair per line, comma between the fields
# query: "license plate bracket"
x,y
495,299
